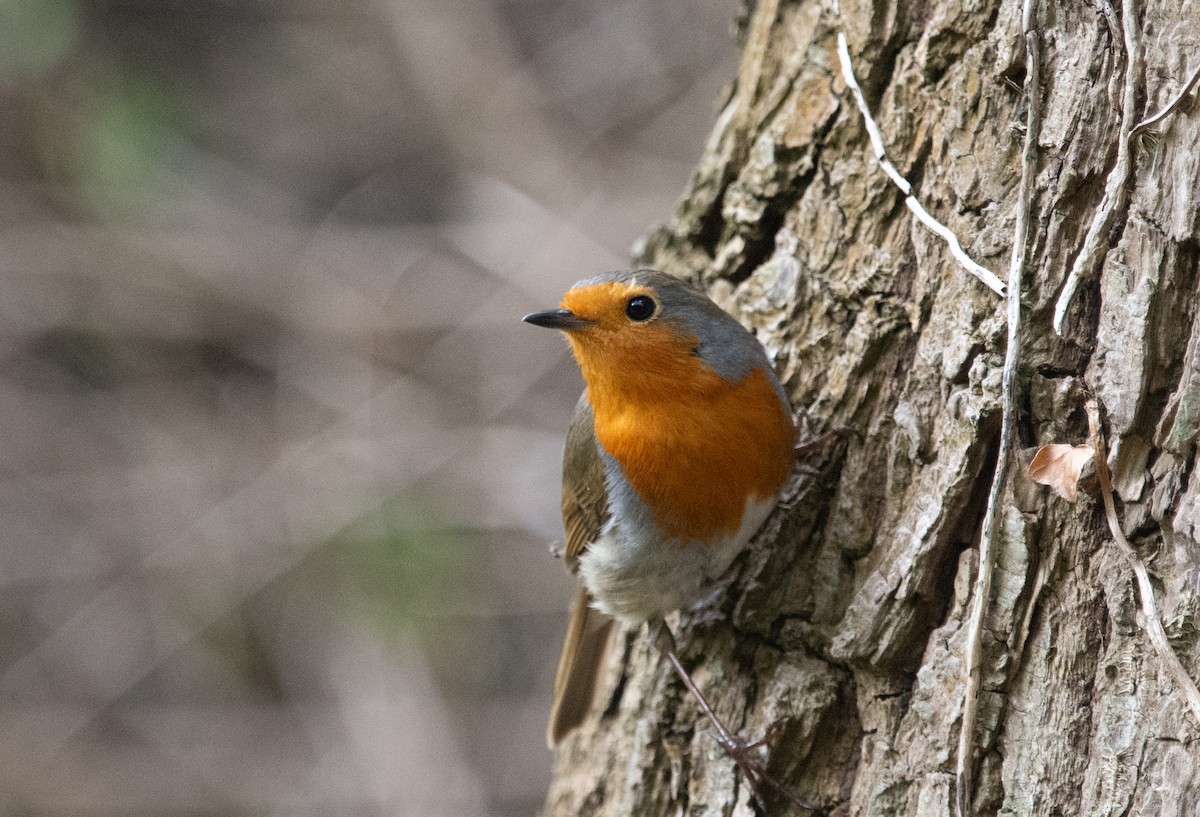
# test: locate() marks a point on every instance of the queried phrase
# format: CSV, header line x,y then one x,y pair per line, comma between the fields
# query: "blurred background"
x,y
280,461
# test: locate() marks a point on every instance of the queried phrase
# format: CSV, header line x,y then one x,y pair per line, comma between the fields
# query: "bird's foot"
x,y
807,446
747,755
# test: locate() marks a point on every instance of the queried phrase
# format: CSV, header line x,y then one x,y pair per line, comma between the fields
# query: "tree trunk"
x,y
847,618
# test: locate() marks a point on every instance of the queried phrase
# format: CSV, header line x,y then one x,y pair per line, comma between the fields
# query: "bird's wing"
x,y
584,497
585,510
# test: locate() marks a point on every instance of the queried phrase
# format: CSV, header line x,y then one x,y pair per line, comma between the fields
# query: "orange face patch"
x,y
604,304
628,360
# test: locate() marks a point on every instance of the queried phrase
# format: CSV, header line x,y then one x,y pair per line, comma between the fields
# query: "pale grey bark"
x,y
847,619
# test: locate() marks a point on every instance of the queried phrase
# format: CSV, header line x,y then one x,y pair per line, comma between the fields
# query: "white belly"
x,y
635,576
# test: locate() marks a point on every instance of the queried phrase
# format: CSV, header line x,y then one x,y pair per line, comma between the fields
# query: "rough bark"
x,y
846,619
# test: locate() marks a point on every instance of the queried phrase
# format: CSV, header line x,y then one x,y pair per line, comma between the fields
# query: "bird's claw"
x,y
746,756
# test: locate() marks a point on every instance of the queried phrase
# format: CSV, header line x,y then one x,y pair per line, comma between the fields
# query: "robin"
x,y
676,454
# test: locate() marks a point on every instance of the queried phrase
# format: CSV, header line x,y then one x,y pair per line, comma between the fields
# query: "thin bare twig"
x,y
1150,617
982,273
1116,189
991,518
1151,121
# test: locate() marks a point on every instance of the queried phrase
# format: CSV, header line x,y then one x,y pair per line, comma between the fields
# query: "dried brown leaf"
x,y
1059,466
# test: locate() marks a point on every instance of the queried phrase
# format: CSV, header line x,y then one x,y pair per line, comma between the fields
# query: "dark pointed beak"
x,y
563,319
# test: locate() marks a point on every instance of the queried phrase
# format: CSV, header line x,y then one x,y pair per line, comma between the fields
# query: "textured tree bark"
x,y
847,617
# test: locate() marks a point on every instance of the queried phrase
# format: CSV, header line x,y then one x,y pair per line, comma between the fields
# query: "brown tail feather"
x,y
582,656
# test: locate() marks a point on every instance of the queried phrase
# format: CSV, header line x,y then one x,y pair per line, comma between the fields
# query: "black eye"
x,y
639,308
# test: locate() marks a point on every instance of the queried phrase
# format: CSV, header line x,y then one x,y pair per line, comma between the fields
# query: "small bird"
x,y
676,454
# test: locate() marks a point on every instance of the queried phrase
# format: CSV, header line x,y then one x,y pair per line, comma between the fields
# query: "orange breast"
x,y
695,447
